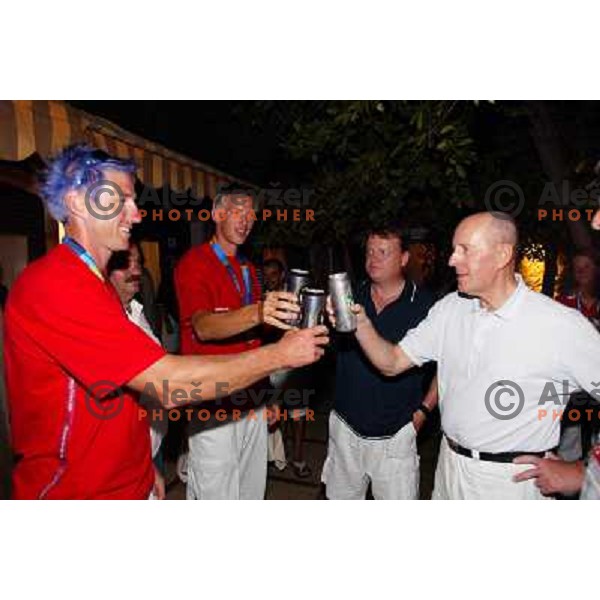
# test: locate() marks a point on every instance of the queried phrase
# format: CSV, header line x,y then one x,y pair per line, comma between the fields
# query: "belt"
x,y
500,457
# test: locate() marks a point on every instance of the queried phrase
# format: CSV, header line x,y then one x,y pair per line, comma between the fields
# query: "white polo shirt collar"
x,y
509,308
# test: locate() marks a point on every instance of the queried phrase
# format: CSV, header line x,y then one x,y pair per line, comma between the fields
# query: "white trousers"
x,y
276,449
460,477
228,460
391,465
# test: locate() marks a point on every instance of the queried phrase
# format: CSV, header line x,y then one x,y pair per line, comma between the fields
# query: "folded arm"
x,y
276,307
222,325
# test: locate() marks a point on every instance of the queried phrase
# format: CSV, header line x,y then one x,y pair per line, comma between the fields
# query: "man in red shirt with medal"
x,y
221,312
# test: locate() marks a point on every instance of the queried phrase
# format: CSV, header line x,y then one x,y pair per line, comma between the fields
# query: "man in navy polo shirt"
x,y
374,424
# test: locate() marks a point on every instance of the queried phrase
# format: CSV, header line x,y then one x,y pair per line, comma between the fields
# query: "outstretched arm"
x,y
389,358
193,379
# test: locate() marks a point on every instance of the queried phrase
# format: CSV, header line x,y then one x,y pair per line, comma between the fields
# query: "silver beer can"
x,y
313,305
297,280
342,300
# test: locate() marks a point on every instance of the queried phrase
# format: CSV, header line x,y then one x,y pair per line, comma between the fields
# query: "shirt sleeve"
x,y
193,289
580,354
86,331
422,343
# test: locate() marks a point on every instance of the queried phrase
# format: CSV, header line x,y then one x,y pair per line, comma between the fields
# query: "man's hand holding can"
x,y
357,309
303,347
279,309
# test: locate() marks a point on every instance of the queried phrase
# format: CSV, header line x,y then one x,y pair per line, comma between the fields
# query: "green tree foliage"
x,y
430,163
370,162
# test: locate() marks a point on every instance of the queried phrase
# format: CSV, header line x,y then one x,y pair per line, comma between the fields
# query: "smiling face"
x,y
111,212
127,280
234,219
385,259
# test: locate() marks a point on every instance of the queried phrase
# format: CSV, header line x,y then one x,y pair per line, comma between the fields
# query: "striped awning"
x,y
28,126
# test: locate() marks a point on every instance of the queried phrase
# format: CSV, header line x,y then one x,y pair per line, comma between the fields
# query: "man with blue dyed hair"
x,y
75,363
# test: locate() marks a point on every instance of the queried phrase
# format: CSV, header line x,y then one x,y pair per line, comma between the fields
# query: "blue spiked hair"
x,y
73,168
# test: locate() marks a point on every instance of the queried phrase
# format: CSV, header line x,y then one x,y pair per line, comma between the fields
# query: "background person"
x,y
292,383
584,296
555,476
375,420
124,271
576,435
273,277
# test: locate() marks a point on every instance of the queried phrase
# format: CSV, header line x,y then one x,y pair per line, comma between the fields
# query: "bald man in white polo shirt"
x,y
498,346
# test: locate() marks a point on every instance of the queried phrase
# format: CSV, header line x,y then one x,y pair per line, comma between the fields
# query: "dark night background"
x,y
425,163
218,133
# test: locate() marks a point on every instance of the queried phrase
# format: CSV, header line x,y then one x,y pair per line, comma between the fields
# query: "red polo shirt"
x,y
591,312
66,331
203,283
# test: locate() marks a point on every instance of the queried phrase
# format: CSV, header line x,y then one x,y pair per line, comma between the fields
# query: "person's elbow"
x,y
150,382
202,327
397,362
390,370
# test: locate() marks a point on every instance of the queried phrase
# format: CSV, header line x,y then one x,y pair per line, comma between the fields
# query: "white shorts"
x,y
391,465
460,477
228,460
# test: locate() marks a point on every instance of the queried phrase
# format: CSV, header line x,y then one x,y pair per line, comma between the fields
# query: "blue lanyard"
x,y
84,255
246,294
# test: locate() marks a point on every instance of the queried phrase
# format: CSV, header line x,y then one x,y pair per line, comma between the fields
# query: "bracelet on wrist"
x,y
424,409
